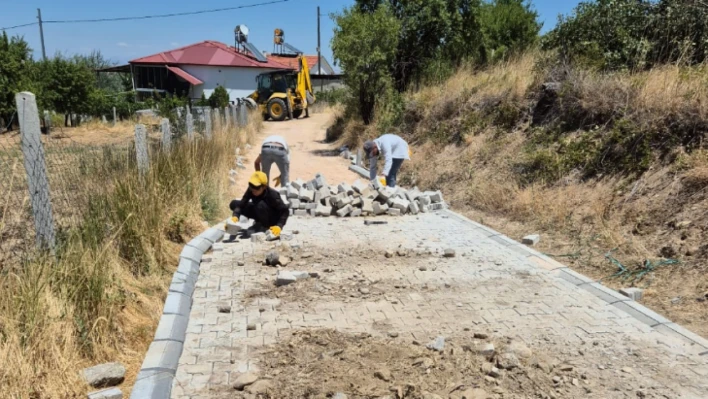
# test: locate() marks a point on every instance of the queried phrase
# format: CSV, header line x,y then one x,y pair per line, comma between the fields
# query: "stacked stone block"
x,y
317,198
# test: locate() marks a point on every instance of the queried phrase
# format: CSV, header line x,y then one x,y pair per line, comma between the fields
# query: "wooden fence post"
x,y
36,168
226,117
141,148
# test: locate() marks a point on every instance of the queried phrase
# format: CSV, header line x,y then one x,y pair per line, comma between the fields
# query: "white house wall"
x,y
239,82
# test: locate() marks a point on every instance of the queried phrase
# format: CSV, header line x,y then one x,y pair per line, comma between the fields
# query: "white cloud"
x,y
123,44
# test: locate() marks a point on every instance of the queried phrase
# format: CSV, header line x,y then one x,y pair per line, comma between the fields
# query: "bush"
x,y
219,98
509,28
631,34
333,96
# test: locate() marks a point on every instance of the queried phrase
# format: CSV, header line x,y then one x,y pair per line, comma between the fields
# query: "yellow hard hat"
x,y
258,179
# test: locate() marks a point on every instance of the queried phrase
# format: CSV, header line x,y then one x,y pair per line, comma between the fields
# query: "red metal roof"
x,y
184,75
209,53
292,61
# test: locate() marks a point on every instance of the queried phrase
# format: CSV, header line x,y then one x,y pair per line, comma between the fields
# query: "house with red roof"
x,y
201,68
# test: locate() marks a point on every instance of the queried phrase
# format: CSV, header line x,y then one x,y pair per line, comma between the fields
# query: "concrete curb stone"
x,y
200,243
177,303
172,327
574,277
188,267
162,358
192,253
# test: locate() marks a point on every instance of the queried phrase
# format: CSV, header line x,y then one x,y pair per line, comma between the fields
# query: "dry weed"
x,y
101,299
476,162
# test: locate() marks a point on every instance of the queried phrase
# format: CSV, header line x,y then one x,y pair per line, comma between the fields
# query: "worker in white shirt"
x,y
394,150
274,150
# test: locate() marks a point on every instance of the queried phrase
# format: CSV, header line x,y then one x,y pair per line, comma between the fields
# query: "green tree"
x,y
68,84
509,27
680,32
632,34
466,41
364,45
109,81
439,35
202,102
16,74
219,98
425,25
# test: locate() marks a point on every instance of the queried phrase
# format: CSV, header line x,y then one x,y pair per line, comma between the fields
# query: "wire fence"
x,y
47,180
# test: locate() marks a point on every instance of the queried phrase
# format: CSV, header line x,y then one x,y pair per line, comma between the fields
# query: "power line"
x,y
73,21
19,26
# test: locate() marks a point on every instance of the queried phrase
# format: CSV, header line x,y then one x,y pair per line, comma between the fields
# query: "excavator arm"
x,y
304,84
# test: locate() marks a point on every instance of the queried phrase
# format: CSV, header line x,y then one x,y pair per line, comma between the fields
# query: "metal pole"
x,y
41,33
319,51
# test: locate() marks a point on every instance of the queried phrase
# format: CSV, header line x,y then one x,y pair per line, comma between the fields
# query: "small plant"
x,y
219,98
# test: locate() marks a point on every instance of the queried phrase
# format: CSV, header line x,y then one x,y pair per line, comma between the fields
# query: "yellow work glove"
x,y
277,181
234,219
382,180
275,230
410,153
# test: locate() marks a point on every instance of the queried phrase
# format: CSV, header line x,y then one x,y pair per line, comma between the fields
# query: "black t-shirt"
x,y
272,198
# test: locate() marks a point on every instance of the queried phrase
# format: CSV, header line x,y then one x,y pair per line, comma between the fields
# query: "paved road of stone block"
x,y
489,286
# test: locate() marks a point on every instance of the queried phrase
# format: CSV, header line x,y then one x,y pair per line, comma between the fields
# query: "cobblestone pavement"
x,y
488,286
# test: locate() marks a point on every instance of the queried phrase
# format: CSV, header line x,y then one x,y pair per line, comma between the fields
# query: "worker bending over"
x,y
274,150
394,150
263,205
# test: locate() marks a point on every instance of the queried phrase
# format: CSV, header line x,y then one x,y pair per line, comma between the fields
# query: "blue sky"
x,y
125,40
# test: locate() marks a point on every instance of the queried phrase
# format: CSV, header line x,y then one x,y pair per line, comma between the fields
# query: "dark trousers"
x,y
395,167
261,213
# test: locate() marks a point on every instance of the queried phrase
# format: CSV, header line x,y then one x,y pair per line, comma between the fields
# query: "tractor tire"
x,y
297,113
277,110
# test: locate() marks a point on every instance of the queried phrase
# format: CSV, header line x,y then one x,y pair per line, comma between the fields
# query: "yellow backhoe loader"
x,y
284,93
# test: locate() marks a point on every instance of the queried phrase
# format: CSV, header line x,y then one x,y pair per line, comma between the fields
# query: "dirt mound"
x,y
328,364
336,276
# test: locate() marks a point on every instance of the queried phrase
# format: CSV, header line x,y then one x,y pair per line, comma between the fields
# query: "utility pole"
x,y
41,33
319,51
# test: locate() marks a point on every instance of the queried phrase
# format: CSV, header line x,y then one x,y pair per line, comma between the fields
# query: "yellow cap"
x,y
258,179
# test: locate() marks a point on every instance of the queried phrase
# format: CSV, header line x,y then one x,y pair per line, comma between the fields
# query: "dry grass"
x,y
101,298
472,135
665,98
506,80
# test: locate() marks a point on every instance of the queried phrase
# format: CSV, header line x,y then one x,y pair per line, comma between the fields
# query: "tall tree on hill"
x,y
425,25
364,45
454,31
509,27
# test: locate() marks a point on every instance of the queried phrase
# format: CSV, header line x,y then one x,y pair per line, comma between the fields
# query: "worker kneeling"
x,y
263,205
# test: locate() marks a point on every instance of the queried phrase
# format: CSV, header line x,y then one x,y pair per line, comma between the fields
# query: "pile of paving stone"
x,y
317,198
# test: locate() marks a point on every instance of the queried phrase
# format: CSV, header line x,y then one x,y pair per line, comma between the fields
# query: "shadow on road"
x,y
325,153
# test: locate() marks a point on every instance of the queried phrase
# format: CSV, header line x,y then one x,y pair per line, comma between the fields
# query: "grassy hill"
x,y
611,168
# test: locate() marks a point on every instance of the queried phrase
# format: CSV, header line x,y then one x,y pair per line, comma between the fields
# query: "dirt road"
x,y
308,152
384,314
